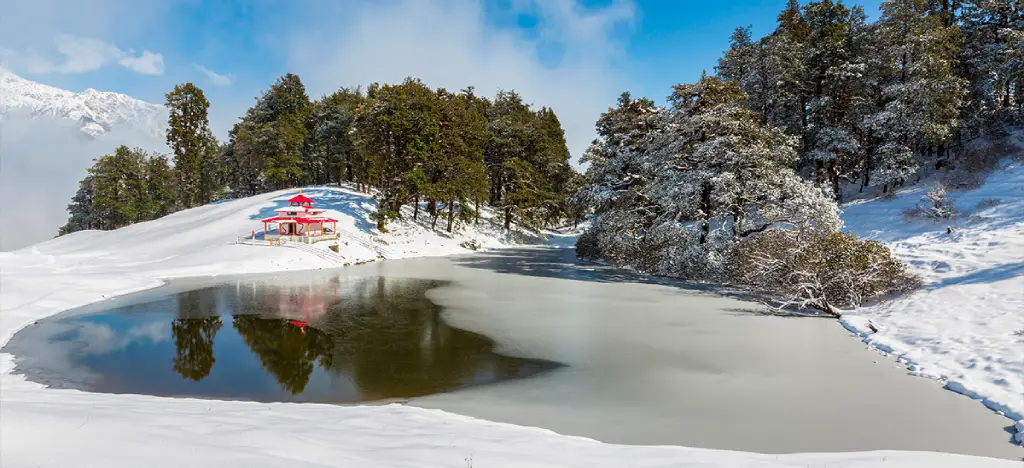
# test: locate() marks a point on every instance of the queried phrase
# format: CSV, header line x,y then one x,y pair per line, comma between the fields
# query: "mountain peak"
x,y
95,112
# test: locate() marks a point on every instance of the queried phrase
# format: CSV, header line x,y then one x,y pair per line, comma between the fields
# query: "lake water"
x,y
309,338
640,360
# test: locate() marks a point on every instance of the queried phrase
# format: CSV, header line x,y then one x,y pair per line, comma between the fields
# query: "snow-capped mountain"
x,y
95,112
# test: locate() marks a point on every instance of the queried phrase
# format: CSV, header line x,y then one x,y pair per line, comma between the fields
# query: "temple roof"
x,y
279,219
300,198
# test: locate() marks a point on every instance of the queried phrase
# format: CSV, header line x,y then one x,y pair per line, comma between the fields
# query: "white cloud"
x,y
215,78
82,54
454,44
148,63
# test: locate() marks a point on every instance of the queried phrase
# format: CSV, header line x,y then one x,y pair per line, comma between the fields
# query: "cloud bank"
x,y
41,162
82,54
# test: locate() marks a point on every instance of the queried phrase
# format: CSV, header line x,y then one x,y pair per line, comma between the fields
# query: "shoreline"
x,y
43,281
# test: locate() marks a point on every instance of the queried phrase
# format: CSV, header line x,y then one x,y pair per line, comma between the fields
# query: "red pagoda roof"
x,y
277,219
300,198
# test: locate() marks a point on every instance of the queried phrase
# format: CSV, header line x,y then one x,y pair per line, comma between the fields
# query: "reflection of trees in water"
x,y
283,349
393,342
193,340
383,332
194,333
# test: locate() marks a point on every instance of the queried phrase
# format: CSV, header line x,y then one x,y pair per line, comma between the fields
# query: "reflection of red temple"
x,y
300,221
302,305
299,323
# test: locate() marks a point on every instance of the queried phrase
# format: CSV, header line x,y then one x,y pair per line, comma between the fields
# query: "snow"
x,y
95,112
965,327
51,427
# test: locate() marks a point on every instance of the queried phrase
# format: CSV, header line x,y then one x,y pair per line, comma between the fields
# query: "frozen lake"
x,y
645,361
294,338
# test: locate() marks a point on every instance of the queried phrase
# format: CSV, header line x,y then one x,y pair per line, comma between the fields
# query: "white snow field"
x,y
62,428
966,325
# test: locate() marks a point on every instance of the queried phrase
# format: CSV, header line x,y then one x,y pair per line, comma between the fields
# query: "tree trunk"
x,y
432,209
834,175
508,218
705,207
416,209
451,214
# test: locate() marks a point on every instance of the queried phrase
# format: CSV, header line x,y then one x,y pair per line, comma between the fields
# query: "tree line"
x,y
870,103
445,153
737,180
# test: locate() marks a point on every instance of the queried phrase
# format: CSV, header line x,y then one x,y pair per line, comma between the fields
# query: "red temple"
x,y
300,221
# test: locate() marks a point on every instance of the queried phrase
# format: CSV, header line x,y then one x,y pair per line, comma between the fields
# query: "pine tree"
x,y
159,187
552,161
396,132
703,176
511,157
211,172
454,175
80,212
120,195
741,62
921,95
786,98
250,143
834,84
267,147
992,58
617,179
188,136
284,156
333,118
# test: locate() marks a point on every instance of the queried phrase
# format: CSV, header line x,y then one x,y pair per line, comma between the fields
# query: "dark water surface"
x,y
310,338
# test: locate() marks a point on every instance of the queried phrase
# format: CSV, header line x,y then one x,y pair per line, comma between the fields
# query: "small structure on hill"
x,y
301,222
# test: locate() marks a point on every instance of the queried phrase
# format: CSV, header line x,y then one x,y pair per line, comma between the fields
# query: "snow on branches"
x,y
689,191
819,271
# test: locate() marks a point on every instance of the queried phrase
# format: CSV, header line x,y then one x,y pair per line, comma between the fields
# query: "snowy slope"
x,y
59,428
95,112
202,241
966,325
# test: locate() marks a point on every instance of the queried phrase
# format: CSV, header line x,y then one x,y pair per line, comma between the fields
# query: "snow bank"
x,y
49,427
966,326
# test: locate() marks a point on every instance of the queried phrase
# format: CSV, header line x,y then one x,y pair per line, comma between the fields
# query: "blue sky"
x,y
573,55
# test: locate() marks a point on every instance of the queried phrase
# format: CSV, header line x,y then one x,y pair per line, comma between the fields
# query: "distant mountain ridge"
x,y
94,112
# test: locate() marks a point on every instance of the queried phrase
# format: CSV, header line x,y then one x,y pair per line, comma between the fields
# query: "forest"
x,y
443,152
738,179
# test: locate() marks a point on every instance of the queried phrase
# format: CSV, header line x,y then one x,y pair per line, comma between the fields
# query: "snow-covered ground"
x,y
49,427
966,325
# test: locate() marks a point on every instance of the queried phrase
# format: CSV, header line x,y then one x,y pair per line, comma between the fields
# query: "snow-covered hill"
x,y
966,325
119,430
94,112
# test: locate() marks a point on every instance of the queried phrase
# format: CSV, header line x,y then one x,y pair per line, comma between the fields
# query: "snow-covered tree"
x,y
934,205
993,61
827,271
834,83
674,189
921,95
723,175
617,179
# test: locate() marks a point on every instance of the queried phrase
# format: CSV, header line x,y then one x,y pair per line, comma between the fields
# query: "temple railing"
x,y
279,240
